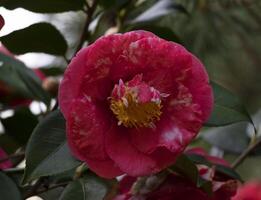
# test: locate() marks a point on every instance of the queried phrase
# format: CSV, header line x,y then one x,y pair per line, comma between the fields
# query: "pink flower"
x,y
250,191
174,186
2,22
6,164
133,102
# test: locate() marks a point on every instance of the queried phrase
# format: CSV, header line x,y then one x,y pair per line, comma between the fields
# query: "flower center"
x,y
135,104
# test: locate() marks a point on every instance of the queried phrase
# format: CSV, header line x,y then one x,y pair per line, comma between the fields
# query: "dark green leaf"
x,y
44,6
186,167
157,10
163,32
89,187
8,189
20,125
228,171
22,79
40,37
47,152
112,3
228,108
105,21
232,138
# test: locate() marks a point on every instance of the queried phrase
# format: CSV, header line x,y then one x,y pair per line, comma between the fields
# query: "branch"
x,y
47,189
243,156
89,13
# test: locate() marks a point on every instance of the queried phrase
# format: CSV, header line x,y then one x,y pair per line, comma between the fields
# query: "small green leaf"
x,y
40,37
186,167
90,187
44,6
47,152
228,108
8,189
22,79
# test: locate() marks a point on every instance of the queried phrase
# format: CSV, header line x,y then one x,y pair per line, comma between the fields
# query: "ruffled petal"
x,y
95,69
104,168
126,156
86,127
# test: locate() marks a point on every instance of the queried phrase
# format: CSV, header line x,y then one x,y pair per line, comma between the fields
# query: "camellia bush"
x,y
145,100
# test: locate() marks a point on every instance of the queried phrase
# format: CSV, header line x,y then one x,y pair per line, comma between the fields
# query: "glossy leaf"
x,y
157,10
186,167
40,37
8,189
228,108
21,79
89,187
232,138
163,32
44,6
47,152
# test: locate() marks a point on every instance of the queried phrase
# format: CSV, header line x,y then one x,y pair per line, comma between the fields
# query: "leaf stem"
x,y
245,153
47,189
89,12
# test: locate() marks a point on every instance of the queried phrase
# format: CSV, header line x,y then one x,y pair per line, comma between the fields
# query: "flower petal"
x,y
104,168
126,156
95,69
86,127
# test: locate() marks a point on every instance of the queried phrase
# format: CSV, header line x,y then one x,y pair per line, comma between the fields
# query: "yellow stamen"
x,y
130,113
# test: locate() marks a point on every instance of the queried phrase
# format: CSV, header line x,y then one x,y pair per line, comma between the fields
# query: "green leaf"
x,y
186,167
89,187
112,3
20,125
8,189
44,6
40,37
22,79
157,10
232,138
47,152
163,32
228,108
105,21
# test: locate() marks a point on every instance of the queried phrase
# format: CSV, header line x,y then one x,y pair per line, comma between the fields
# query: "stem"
x,y
89,13
243,156
47,189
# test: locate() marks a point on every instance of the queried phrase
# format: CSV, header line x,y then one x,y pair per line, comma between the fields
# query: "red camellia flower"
x,y
2,22
133,102
176,187
250,191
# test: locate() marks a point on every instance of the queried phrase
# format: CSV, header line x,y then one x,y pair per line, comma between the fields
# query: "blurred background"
x,y
224,34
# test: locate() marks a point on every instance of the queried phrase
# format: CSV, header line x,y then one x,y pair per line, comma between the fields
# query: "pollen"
x,y
132,114
135,104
